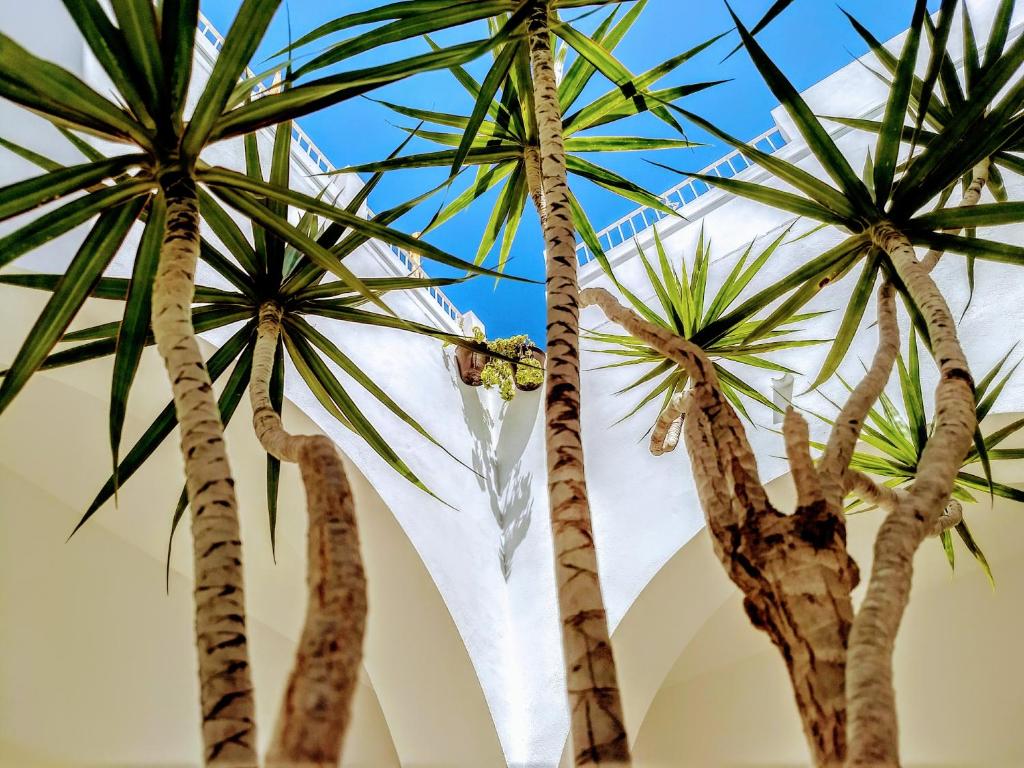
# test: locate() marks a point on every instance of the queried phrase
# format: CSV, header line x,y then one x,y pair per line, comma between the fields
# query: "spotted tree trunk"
x,y
226,692
596,719
317,702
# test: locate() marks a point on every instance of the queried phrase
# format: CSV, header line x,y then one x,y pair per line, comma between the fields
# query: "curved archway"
x,y
703,688
110,677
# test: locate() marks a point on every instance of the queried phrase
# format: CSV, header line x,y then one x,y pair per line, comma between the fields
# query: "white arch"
x,y
110,676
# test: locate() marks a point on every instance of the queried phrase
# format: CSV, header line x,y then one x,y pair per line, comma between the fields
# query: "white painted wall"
x,y
464,651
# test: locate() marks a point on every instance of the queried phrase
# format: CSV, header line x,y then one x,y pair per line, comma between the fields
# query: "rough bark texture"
x,y
793,569
317,703
596,719
226,692
872,709
535,184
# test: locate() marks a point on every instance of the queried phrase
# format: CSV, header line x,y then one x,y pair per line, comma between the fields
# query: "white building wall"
x,y
489,553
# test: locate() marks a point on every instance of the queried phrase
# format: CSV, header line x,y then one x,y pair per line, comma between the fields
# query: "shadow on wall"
x,y
501,431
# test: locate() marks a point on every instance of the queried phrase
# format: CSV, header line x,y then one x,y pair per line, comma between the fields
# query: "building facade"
x,y
463,659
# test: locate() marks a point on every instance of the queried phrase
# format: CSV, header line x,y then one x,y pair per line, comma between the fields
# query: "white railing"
x,y
310,151
681,195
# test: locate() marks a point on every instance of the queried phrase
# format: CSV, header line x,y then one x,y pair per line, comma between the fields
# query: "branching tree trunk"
x,y
596,719
794,569
873,731
226,693
972,195
317,703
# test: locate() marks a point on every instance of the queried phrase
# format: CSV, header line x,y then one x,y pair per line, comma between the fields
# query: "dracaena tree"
x,y
936,99
794,569
147,53
687,308
523,132
276,287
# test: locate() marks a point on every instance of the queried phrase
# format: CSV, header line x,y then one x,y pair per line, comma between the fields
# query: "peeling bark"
x,y
226,691
317,702
596,715
793,569
668,427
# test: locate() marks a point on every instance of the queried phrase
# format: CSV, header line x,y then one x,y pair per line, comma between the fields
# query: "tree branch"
x,y
846,430
873,730
317,702
979,178
873,493
793,569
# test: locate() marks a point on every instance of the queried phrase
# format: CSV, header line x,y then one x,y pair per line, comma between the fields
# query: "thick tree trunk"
x,y
596,719
317,703
226,693
793,569
872,707
535,184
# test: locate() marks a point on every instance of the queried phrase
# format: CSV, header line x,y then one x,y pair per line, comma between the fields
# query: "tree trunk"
x,y
226,693
793,569
595,707
972,195
872,708
535,184
317,703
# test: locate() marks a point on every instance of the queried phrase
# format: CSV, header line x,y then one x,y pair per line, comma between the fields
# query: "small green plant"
x,y
895,439
504,375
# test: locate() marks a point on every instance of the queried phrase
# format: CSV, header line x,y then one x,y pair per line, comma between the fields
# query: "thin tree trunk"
x,y
972,195
872,708
793,569
595,706
226,692
317,703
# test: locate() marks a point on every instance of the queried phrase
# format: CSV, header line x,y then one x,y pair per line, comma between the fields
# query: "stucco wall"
x,y
464,651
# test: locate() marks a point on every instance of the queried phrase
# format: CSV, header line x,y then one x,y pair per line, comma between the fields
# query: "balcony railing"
x,y
682,194
309,151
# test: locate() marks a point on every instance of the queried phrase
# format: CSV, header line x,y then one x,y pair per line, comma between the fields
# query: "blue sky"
x,y
811,40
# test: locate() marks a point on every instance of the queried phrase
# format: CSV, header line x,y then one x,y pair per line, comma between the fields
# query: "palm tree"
x,y
937,100
785,564
686,310
276,289
523,134
147,52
